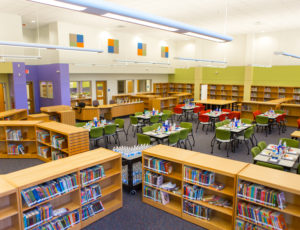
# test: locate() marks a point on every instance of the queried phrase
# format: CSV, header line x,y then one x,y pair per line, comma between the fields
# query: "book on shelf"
x,y
196,210
63,222
159,165
14,134
92,174
90,193
13,149
44,151
58,141
37,216
261,194
56,155
244,225
262,216
40,193
199,176
156,195
92,209
153,179
43,136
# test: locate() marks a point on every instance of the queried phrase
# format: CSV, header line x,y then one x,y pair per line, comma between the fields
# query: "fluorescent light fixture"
x,y
46,46
142,62
140,22
200,60
286,54
114,11
263,66
20,57
60,4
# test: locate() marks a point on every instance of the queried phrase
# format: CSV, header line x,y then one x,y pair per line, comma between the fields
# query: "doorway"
x,y
130,87
3,104
30,97
101,92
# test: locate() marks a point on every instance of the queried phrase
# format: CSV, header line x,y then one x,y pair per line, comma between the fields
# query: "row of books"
x,y
261,194
43,136
199,176
244,225
196,210
56,155
156,195
14,134
262,216
46,191
62,223
89,175
158,164
92,209
37,215
153,179
90,193
59,141
43,151
13,149
193,192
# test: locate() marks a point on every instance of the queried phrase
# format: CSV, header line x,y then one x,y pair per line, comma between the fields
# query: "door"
x,y
129,86
101,92
2,97
30,97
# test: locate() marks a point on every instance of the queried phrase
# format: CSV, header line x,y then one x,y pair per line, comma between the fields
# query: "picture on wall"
x,y
165,52
77,40
113,46
141,49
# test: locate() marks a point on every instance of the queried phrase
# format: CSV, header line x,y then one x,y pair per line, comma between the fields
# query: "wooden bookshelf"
x,y
225,92
111,183
181,96
14,114
292,113
121,97
161,89
86,100
39,116
147,99
9,206
60,113
225,172
163,103
76,139
277,180
165,89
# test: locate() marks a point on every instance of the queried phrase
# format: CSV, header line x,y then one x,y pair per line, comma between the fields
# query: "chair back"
x,y
219,124
96,132
183,134
156,125
255,113
110,129
138,113
236,114
143,139
222,117
154,119
223,135
261,120
226,110
80,124
196,110
95,103
262,145
177,110
147,129
174,138
226,122
255,151
187,125
198,104
290,142
166,111
164,117
279,111
120,123
134,120
265,164
179,105
203,118
248,132
246,121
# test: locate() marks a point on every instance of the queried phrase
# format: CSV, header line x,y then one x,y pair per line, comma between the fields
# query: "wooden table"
x,y
295,135
119,110
61,113
87,113
220,103
163,135
39,116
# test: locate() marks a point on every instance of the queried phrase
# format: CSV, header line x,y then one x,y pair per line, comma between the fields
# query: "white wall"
x,y
113,78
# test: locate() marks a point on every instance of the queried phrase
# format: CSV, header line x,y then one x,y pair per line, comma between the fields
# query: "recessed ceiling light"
x,y
32,21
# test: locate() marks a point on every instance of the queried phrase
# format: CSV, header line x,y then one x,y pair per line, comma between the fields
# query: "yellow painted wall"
x,y
183,76
6,67
232,75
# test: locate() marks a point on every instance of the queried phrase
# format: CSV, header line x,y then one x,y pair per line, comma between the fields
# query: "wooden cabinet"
x,y
14,114
165,103
60,113
86,100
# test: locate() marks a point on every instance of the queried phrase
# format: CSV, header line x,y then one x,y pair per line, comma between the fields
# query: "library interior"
x,y
139,114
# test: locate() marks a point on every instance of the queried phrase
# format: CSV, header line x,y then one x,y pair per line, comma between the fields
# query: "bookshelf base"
x,y
25,156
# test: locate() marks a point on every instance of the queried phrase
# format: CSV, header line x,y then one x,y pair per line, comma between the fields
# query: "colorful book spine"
x,y
92,174
14,134
37,216
92,209
90,193
152,194
43,151
43,136
13,149
153,179
56,155
193,192
196,210
58,141
62,223
159,165
243,225
199,176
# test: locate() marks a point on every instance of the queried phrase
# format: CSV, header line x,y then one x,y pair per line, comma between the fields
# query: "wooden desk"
x,y
61,113
213,102
119,110
86,100
87,113
39,116
14,114
295,134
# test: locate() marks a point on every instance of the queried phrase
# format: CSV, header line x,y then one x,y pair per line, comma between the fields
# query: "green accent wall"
x,y
277,76
233,75
183,76
6,67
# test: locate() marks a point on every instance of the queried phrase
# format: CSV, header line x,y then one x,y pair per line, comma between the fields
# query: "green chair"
x,y
80,124
262,122
246,137
134,123
246,121
154,119
147,128
138,113
265,164
173,139
170,114
262,145
290,142
120,126
189,126
226,122
279,111
255,151
143,139
164,117
219,124
222,136
156,125
111,130
95,135
184,138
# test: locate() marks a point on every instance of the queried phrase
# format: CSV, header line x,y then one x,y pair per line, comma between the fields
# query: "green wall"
x,y
233,75
183,76
277,76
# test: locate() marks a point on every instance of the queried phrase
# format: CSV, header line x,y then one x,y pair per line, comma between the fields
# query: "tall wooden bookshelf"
x,y
9,206
161,89
225,171
110,184
273,180
14,114
293,113
181,96
225,92
165,103
164,89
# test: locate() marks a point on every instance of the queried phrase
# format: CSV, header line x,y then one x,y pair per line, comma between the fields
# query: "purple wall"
x,y
19,85
59,75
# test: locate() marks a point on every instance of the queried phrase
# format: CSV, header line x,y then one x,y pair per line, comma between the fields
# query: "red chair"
x,y
196,111
255,113
198,104
230,116
205,121
202,107
298,121
180,105
178,112
236,114
279,122
226,110
222,117
208,111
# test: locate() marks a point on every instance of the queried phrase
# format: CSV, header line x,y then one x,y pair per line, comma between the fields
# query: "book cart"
x,y
131,185
185,166
256,184
90,188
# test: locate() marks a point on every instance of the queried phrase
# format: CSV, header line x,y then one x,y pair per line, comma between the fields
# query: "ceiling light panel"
x,y
60,4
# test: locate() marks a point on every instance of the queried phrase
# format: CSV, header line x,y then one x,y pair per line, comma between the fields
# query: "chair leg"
x,y
197,126
247,144
212,146
189,143
126,134
227,148
128,128
134,131
193,138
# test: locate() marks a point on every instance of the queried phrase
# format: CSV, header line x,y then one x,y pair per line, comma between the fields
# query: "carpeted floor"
x,y
137,215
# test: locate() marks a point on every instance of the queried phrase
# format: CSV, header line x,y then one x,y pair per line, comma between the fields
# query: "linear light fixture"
x,y
286,54
46,46
60,4
113,11
20,57
200,60
142,62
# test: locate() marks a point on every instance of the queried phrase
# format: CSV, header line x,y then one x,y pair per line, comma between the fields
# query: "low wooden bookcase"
x,y
14,114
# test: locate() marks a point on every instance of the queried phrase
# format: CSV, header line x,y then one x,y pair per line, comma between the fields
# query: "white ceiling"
x,y
244,16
